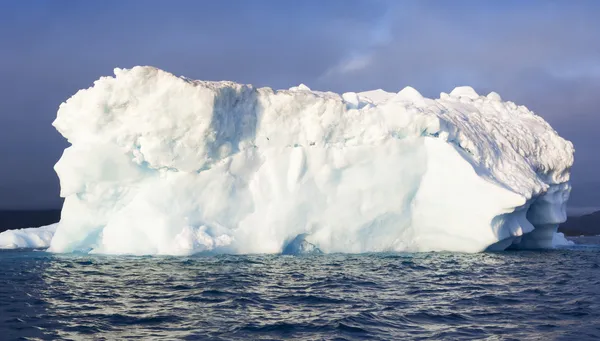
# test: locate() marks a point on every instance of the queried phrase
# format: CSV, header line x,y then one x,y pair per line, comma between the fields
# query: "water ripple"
x,y
549,295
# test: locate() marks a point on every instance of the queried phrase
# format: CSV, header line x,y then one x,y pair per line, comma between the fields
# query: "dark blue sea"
x,y
519,295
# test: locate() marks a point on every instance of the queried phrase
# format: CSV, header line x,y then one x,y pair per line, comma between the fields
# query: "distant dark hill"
x,y
585,225
10,220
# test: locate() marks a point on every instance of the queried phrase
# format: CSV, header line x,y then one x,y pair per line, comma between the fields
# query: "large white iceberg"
x,y
160,164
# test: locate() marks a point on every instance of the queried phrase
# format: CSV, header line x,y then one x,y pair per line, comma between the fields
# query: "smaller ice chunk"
x,y
409,94
464,91
376,96
494,96
300,87
300,246
559,239
351,98
444,96
29,238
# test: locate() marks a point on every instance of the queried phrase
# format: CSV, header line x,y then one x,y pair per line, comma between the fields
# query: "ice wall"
x,y
160,164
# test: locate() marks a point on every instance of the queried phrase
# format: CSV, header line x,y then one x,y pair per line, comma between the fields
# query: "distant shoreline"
x,y
19,219
584,225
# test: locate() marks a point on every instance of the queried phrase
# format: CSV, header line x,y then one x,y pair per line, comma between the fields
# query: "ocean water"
x,y
519,295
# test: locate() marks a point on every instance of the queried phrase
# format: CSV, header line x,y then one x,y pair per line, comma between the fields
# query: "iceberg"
x,y
160,164
28,238
559,239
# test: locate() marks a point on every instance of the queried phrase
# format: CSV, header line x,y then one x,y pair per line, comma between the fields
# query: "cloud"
x,y
543,54
350,65
362,45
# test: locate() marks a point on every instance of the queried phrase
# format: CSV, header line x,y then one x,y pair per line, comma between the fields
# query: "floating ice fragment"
x,y
464,91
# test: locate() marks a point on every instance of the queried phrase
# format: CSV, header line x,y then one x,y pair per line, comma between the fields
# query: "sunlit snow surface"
x,y
160,164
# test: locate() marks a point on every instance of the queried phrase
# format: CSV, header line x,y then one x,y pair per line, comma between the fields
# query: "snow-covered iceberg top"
x,y
161,164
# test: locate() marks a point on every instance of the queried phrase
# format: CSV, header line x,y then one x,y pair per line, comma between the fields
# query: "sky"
x,y
541,54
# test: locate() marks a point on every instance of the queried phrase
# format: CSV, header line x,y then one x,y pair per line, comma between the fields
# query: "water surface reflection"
x,y
520,295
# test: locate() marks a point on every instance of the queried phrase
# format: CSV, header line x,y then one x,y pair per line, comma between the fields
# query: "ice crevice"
x,y
160,164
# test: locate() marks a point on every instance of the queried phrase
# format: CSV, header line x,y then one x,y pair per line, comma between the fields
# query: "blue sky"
x,y
543,54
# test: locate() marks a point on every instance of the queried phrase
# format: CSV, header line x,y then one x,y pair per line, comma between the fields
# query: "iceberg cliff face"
x,y
165,165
